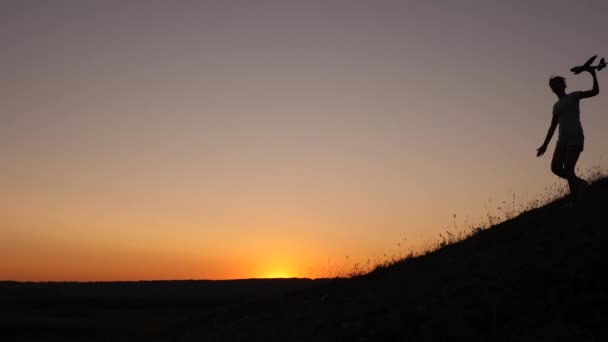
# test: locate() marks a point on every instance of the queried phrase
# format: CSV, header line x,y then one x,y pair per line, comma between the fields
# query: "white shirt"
x,y
568,113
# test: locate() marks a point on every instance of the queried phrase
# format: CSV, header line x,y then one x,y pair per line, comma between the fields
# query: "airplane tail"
x,y
602,64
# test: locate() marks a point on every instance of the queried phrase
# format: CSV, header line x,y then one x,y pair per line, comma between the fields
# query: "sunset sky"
x,y
237,139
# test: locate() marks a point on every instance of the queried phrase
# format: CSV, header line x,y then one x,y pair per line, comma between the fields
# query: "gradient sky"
x,y
235,139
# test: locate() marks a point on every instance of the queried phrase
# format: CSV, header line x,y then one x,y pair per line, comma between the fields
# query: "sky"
x,y
235,139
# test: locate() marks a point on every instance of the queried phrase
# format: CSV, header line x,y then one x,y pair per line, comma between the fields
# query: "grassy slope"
x,y
539,276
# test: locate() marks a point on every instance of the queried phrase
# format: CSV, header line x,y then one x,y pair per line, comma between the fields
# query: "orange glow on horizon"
x,y
279,274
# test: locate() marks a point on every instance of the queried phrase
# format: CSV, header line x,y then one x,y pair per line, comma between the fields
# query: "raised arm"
x,y
541,150
596,87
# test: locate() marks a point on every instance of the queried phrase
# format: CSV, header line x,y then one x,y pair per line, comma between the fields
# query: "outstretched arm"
x,y
541,150
596,87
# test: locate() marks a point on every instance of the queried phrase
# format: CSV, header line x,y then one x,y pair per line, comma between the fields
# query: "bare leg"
x,y
557,163
564,163
572,154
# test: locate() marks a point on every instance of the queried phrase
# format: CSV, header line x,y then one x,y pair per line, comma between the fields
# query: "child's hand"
x,y
541,150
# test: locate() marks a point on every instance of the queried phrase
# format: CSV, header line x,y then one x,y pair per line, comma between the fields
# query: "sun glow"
x,y
278,274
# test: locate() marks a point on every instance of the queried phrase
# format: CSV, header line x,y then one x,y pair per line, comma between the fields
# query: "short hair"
x,y
554,81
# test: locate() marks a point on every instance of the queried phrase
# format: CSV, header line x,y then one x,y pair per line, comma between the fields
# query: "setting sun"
x,y
278,274
281,269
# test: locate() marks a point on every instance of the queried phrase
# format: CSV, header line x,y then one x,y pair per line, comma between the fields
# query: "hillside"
x,y
539,276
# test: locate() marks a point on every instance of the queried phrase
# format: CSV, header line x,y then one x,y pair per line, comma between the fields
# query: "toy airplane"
x,y
587,66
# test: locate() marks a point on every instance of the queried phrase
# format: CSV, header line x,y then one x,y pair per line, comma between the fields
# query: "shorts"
x,y
566,145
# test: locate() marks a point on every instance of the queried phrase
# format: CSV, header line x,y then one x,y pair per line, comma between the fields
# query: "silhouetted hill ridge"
x,y
539,276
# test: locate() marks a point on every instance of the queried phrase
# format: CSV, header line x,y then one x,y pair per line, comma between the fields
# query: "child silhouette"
x,y
570,141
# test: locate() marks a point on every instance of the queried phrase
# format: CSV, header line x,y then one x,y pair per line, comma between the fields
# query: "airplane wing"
x,y
589,61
